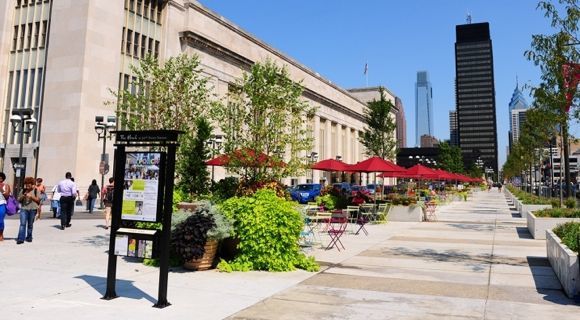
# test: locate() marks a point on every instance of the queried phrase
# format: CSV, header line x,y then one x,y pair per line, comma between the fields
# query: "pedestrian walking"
x,y
107,196
42,190
4,194
92,195
68,192
29,198
55,202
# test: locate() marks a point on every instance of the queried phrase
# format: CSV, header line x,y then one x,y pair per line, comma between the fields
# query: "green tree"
x,y
551,53
264,122
379,135
165,96
192,171
450,158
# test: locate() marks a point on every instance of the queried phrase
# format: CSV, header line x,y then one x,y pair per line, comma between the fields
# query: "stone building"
x,y
61,58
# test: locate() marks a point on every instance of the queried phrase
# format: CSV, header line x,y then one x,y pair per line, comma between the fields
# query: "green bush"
x,y
327,200
528,198
555,203
225,188
268,228
569,233
558,213
570,203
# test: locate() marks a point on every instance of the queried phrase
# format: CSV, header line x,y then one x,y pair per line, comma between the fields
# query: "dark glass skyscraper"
x,y
475,94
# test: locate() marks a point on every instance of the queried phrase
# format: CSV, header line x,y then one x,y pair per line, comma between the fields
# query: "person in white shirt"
x,y
68,193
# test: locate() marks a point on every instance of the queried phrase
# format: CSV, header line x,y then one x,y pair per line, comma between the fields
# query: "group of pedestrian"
x,y
64,194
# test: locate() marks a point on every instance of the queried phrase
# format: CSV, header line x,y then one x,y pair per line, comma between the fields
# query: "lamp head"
x,y
99,129
99,119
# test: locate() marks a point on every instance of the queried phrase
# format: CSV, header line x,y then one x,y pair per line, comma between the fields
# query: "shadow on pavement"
x,y
124,288
524,233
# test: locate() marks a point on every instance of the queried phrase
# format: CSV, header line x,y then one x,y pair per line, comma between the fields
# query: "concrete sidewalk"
x,y
477,262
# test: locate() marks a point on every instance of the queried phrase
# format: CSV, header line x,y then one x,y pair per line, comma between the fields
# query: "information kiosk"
x,y
143,171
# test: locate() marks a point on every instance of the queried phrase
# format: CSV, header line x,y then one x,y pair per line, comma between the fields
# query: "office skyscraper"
x,y
475,94
401,124
517,111
423,107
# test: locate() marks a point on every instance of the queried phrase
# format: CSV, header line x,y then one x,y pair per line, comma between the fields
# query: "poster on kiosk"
x,y
141,186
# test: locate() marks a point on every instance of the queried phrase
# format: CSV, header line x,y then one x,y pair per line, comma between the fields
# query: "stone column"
x,y
316,148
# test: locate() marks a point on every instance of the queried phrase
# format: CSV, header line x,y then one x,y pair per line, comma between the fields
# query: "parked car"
x,y
372,188
342,186
354,189
304,193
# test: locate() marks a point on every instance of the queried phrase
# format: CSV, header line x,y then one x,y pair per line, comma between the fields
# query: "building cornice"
x,y
212,48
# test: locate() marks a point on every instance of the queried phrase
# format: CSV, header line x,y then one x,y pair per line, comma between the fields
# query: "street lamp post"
x,y
214,142
21,118
103,130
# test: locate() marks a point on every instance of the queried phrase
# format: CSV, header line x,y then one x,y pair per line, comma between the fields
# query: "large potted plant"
x,y
404,209
196,234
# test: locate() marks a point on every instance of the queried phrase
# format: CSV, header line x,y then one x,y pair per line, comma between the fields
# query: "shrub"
x,y
268,228
555,203
557,213
570,203
328,201
191,230
225,188
569,233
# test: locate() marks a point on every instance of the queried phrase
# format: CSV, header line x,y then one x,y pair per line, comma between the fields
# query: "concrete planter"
x,y
405,213
525,208
565,264
539,226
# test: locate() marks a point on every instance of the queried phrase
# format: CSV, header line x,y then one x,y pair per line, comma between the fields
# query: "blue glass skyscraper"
x,y
423,107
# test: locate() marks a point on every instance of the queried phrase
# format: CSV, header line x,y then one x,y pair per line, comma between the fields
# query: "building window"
x,y
29,36
143,46
129,42
15,39
139,6
22,30
36,34
156,49
38,87
43,36
123,40
150,47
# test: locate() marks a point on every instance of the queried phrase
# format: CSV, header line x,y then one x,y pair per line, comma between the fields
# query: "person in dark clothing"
x,y
92,195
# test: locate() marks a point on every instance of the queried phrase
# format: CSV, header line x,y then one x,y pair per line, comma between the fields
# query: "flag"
x,y
366,68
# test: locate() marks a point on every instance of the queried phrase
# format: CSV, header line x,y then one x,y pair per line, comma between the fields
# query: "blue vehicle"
x,y
342,187
306,192
372,188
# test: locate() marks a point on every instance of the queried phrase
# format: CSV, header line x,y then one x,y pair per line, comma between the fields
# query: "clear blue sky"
x,y
397,38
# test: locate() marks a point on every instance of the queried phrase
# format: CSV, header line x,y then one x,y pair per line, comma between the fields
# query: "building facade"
x,y
453,135
423,107
475,94
401,124
428,141
62,59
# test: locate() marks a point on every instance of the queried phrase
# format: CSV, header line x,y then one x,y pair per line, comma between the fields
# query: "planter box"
x,y
405,214
565,264
539,226
525,208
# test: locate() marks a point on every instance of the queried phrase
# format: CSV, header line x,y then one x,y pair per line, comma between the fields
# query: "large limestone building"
x,y
60,58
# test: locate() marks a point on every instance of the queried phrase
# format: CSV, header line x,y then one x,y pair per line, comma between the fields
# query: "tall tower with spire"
x,y
518,107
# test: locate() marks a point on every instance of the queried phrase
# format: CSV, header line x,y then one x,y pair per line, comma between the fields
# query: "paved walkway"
x,y
477,262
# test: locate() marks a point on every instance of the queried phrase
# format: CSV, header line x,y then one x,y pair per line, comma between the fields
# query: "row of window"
x,y
473,45
148,9
479,73
473,84
481,139
138,45
29,36
474,62
26,3
461,89
473,57
25,83
468,69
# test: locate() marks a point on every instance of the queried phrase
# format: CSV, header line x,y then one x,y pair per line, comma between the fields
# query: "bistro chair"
x,y
336,229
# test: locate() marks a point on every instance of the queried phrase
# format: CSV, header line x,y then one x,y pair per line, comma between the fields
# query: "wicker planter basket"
x,y
205,262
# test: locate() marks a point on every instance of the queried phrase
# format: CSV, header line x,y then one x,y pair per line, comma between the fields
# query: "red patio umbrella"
x,y
330,165
246,158
375,164
421,172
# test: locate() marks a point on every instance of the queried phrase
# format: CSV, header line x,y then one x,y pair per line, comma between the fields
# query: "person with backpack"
x,y
4,194
107,196
29,198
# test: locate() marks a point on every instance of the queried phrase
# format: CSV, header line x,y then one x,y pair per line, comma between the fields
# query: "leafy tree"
x,y
551,53
378,137
264,124
192,171
172,95
165,96
450,158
